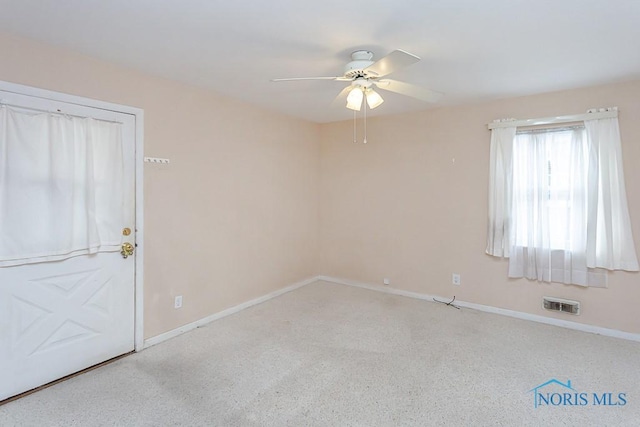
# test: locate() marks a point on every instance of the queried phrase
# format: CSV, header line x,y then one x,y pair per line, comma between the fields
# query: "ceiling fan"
x,y
365,74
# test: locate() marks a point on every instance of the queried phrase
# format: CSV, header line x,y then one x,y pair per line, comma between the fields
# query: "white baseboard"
x,y
495,310
489,309
198,323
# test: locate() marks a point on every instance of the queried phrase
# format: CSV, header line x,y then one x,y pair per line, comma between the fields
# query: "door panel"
x,y
57,318
63,317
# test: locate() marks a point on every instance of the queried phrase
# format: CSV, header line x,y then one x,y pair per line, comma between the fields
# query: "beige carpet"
x,y
333,355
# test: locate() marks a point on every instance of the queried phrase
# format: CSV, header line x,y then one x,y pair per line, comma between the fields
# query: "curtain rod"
x,y
58,112
609,113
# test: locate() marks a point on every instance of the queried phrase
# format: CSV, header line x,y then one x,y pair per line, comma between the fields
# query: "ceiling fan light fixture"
x,y
354,100
373,99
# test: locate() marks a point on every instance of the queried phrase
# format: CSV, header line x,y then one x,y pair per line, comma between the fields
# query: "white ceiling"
x,y
471,50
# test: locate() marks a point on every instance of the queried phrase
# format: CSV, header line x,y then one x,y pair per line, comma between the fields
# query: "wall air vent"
x,y
561,305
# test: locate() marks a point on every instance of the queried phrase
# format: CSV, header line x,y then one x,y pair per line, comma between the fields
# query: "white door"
x,y
60,317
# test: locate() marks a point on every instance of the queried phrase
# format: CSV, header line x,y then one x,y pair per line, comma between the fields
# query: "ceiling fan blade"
x,y
341,99
421,93
392,62
340,78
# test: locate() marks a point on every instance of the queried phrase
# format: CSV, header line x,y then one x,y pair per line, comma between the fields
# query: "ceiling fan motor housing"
x,y
361,59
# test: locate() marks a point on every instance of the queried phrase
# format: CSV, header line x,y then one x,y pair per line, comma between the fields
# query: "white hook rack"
x,y
156,160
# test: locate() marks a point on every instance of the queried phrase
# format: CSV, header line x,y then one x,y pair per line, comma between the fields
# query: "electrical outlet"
x,y
177,303
386,281
455,279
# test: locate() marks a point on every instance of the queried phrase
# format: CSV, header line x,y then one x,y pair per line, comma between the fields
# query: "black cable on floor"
x,y
450,303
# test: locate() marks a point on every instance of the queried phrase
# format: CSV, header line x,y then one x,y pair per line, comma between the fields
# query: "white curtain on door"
x,y
54,199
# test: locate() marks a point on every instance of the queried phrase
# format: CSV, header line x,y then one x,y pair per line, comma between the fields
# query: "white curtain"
x,y
61,186
609,239
500,191
549,208
557,204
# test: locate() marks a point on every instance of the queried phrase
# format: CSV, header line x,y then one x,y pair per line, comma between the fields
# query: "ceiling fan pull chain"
x,y
365,123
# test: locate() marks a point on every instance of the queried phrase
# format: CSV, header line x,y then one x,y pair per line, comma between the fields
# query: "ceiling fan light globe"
x,y
354,100
374,99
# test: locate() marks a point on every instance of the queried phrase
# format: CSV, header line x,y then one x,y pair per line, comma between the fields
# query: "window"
x,y
557,201
549,186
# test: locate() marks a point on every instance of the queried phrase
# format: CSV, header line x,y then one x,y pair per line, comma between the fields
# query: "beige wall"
x,y
401,207
239,211
235,214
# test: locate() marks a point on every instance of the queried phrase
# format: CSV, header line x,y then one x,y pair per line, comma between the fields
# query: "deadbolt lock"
x,y
127,249
126,231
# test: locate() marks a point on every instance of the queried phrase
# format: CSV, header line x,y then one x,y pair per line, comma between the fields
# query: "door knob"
x,y
127,249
